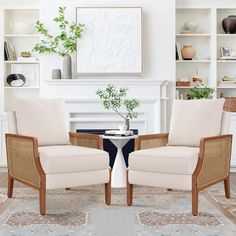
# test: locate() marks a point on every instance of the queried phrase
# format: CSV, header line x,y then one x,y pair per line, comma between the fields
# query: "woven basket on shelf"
x,y
230,104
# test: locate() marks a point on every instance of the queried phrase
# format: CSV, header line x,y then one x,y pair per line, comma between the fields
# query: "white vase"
x,y
67,68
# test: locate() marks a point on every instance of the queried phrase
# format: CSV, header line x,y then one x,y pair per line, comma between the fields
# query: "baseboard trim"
x,y
3,169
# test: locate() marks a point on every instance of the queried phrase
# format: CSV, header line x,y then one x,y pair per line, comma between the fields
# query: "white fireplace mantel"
x,y
86,110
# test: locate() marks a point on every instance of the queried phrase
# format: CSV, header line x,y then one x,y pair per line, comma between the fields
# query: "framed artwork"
x,y
111,42
225,51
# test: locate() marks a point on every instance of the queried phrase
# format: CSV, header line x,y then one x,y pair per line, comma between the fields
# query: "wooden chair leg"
x,y
108,191
42,200
10,186
227,187
194,201
129,191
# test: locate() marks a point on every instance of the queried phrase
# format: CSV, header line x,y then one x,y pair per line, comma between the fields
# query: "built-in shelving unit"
x,y
208,42
19,39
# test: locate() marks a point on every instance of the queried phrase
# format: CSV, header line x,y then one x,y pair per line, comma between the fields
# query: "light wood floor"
x,y
3,181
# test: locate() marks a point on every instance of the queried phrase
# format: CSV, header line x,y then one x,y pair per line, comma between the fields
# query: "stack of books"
x,y
9,52
119,133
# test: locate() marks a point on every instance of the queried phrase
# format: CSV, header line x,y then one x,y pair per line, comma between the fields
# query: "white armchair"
x,y
42,154
194,155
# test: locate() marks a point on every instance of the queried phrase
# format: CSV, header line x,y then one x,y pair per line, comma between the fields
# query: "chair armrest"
x,y
86,140
214,160
151,141
23,160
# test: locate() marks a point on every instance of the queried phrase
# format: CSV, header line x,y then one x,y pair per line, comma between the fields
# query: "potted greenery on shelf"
x,y
114,98
200,93
64,44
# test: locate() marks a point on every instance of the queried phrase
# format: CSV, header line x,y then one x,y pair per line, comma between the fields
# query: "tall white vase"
x,y
67,67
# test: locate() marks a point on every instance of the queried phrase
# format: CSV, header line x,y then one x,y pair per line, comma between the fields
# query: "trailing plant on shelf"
x,y
64,44
200,93
115,98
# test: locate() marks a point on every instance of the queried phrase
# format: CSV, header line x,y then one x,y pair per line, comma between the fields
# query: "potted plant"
x,y
64,44
115,98
200,93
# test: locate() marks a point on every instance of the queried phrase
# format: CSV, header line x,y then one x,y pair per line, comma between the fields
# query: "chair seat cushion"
x,y
68,158
168,159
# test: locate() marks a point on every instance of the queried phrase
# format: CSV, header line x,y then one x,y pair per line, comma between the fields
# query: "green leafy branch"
x,y
65,43
113,98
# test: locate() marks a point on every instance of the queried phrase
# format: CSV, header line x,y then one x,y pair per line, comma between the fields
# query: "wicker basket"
x,y
230,104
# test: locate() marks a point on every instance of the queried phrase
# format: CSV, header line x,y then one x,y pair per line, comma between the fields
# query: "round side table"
x,y
118,174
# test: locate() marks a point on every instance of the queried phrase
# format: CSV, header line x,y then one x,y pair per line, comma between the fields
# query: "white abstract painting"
x,y
111,42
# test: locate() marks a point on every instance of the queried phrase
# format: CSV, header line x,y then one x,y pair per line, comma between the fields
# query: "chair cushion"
x,y
195,119
168,159
44,119
68,158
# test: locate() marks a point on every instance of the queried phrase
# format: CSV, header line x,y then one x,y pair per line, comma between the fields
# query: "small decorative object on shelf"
x,y
183,83
198,79
200,93
188,52
190,27
229,24
226,81
16,80
25,54
115,98
64,44
56,74
227,53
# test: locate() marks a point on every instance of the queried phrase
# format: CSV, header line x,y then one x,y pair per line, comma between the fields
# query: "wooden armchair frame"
x,y
24,163
213,164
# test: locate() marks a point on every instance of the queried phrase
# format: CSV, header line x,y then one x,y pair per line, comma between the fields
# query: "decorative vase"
x,y
229,24
16,80
127,123
191,26
67,68
188,52
56,74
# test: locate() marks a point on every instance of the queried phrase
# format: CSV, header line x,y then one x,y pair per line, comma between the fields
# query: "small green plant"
x,y
114,98
200,93
63,44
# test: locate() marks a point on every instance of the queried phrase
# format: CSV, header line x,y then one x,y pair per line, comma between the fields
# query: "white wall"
x,y
159,34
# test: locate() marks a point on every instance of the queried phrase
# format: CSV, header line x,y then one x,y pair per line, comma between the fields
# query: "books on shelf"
x,y
9,52
119,133
178,52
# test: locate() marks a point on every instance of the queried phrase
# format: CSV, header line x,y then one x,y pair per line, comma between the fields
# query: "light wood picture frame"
x,y
112,41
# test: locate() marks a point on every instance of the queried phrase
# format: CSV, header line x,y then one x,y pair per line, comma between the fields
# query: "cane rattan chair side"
x,y
151,141
24,165
86,140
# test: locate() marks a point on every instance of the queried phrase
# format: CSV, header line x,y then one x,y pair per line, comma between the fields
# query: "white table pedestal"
x,y
118,174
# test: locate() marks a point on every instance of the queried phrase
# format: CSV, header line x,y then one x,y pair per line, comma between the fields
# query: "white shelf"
x,y
227,87
193,35
21,35
226,61
23,87
21,62
193,61
226,35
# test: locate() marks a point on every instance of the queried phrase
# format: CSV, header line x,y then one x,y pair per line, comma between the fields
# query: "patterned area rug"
x,y
82,211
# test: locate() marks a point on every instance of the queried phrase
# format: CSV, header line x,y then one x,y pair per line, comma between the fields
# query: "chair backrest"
x,y
44,119
195,119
